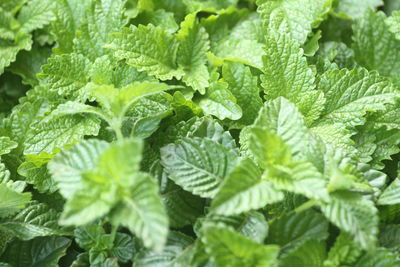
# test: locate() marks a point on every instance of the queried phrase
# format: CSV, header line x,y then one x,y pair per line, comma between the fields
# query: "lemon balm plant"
x,y
199,133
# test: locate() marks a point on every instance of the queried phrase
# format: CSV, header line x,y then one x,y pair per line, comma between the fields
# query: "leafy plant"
x,y
199,133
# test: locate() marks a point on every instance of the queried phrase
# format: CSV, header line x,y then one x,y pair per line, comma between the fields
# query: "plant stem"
x,y
305,206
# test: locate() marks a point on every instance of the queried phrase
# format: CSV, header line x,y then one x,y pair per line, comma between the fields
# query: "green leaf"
x,y
159,18
279,134
143,213
354,9
350,94
6,145
29,63
8,25
380,257
391,194
12,201
294,17
375,47
309,254
36,15
252,224
66,74
9,50
220,102
244,190
176,245
49,135
194,44
389,236
287,74
37,219
394,23
293,229
69,16
69,165
183,208
148,49
41,251
244,87
102,18
344,251
355,214
228,248
198,165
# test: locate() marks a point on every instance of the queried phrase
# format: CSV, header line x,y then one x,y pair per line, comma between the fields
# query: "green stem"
x,y
113,232
305,206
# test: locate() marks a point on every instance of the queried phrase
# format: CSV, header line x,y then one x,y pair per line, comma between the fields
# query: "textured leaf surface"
x,y
244,87
49,135
33,221
353,213
244,190
194,43
143,213
372,42
350,94
292,16
148,49
228,248
67,167
198,165
287,74
41,251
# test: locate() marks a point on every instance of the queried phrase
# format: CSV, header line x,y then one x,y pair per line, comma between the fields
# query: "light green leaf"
x,y
118,101
252,224
176,245
193,45
143,213
344,251
391,195
244,87
66,74
244,190
287,74
228,248
198,165
279,121
12,201
9,50
102,18
394,23
350,94
69,16
6,145
355,214
353,9
69,165
220,102
159,18
8,24
35,15
294,17
148,49
46,136
375,46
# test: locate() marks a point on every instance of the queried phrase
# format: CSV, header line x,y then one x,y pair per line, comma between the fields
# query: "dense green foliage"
x,y
210,133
